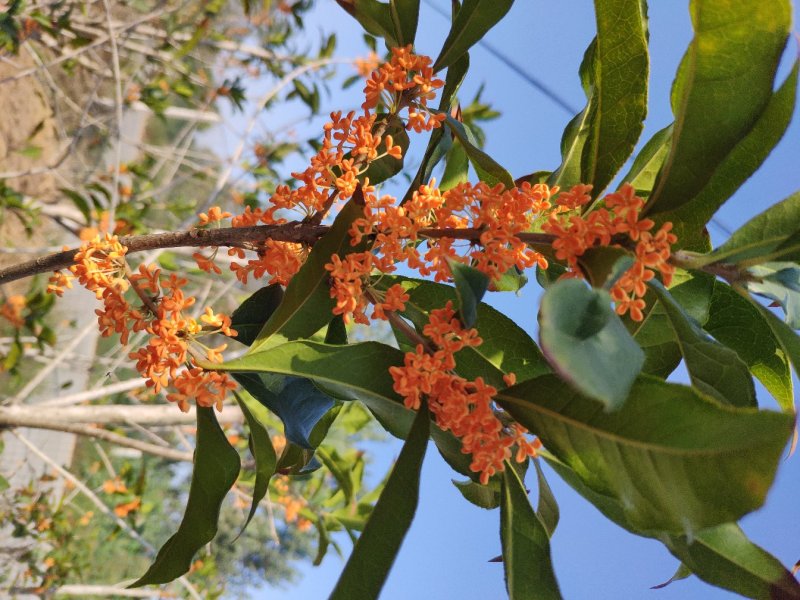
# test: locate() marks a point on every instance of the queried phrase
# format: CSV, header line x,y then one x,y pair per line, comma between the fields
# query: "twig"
x,y
231,236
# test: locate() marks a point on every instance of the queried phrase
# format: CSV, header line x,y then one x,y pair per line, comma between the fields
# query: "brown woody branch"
x,y
298,232
229,236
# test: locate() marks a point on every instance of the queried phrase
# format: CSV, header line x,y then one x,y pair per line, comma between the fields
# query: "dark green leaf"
x,y
295,400
374,553
262,449
337,331
526,545
456,168
788,339
669,459
471,22
387,167
216,470
374,16
485,166
682,572
249,318
439,143
333,463
370,383
723,556
405,14
723,84
738,324
471,285
764,238
713,368
586,343
547,507
307,304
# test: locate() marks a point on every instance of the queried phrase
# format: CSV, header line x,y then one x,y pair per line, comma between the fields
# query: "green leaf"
x,y
456,168
769,236
337,331
738,324
656,336
471,22
724,557
374,16
405,14
485,166
648,162
547,507
506,347
263,452
670,460
586,343
249,318
374,553
370,383
573,140
713,368
307,303
526,545
742,161
482,496
471,285
788,340
723,84
215,472
619,90
779,281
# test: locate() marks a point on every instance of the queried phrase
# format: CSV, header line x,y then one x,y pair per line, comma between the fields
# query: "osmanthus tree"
x,y
632,288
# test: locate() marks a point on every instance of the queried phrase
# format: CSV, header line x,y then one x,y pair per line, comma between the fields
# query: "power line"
x,y
516,68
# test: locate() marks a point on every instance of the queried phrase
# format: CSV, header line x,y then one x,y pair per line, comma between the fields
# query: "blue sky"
x,y
446,552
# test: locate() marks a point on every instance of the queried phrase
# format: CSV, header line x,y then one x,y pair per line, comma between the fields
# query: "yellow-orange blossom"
x,y
349,144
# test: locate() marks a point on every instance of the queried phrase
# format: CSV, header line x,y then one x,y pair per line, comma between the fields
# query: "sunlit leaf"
x,y
671,459
738,324
723,556
723,84
772,235
526,545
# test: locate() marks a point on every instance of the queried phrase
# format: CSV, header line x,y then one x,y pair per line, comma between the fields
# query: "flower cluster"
x,y
292,505
407,80
12,309
620,218
169,357
459,405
